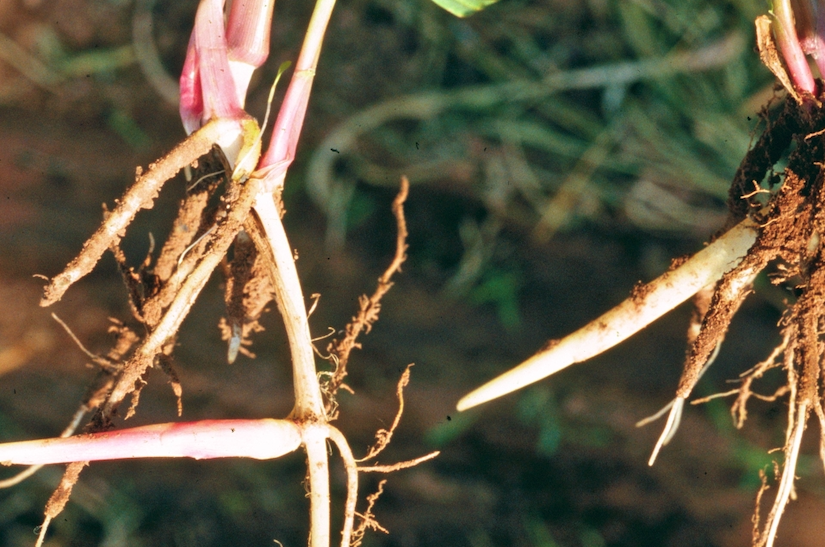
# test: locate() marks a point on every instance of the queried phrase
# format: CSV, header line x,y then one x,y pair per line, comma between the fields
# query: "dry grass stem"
x,y
770,55
147,54
558,209
333,197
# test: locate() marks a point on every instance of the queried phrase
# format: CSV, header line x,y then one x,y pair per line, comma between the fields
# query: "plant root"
x,y
384,436
248,292
646,304
369,307
352,484
368,518
161,298
140,196
786,231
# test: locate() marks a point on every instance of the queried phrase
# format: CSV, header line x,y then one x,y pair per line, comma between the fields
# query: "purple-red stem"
x,y
260,439
789,44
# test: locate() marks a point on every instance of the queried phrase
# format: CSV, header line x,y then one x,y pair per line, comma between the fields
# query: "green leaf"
x,y
464,8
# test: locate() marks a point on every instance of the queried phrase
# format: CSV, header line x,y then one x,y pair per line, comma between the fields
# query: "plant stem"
x,y
309,407
315,443
352,483
788,41
308,411
289,296
260,439
287,128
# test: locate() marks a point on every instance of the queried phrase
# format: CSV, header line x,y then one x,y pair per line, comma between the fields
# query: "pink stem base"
x,y
259,439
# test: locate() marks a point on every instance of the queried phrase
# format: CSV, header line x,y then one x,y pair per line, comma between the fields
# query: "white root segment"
x,y
674,418
260,439
788,472
315,443
352,484
646,305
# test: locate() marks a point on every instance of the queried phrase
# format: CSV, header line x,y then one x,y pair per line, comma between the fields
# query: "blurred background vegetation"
x,y
558,151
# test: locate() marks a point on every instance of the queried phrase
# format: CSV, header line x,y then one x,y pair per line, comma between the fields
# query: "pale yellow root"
x,y
646,305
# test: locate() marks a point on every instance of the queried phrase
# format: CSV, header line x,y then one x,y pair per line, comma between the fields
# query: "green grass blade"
x,y
464,8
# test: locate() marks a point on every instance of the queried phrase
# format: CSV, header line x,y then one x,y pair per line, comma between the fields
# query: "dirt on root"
x,y
563,461
790,240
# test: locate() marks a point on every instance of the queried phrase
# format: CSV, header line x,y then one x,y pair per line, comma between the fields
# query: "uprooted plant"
x,y
230,219
775,220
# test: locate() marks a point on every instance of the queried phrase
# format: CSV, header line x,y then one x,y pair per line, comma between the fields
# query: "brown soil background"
x,y
60,158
